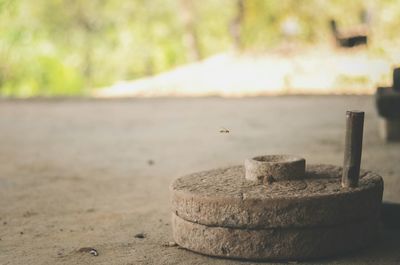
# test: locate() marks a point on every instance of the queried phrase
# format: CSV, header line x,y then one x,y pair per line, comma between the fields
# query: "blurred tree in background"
x,y
60,47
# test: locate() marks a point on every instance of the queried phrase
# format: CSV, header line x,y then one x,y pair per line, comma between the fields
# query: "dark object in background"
x,y
390,213
387,101
396,79
348,40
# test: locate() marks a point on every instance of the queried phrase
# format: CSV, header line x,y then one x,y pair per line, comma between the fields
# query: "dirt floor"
x,y
95,173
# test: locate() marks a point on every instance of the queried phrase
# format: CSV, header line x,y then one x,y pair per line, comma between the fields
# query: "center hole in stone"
x,y
275,158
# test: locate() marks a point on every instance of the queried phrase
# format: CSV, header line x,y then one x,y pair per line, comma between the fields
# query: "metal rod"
x,y
352,148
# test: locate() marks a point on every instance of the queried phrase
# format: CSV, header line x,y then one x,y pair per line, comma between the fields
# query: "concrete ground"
x,y
95,173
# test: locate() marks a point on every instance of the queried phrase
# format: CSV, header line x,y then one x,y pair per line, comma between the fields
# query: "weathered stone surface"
x,y
270,168
274,244
388,102
223,197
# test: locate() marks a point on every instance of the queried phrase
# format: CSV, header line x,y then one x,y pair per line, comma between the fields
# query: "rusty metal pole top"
x,y
353,148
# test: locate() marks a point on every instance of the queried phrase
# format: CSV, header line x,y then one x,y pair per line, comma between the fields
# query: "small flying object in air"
x,y
224,130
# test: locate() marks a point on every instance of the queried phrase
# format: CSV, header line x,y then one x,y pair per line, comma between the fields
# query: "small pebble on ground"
x,y
170,244
140,235
89,250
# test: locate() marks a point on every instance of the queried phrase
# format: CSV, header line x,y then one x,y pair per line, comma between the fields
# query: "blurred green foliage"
x,y
61,48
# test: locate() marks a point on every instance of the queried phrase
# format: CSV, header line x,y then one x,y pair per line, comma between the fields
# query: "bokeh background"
x,y
225,47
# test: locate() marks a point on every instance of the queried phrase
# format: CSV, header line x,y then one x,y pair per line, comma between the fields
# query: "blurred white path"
x,y
315,70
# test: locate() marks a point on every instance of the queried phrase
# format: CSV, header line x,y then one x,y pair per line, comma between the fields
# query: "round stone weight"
x,y
224,198
274,244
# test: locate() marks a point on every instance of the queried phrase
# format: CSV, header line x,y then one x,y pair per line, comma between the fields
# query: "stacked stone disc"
x,y
274,209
